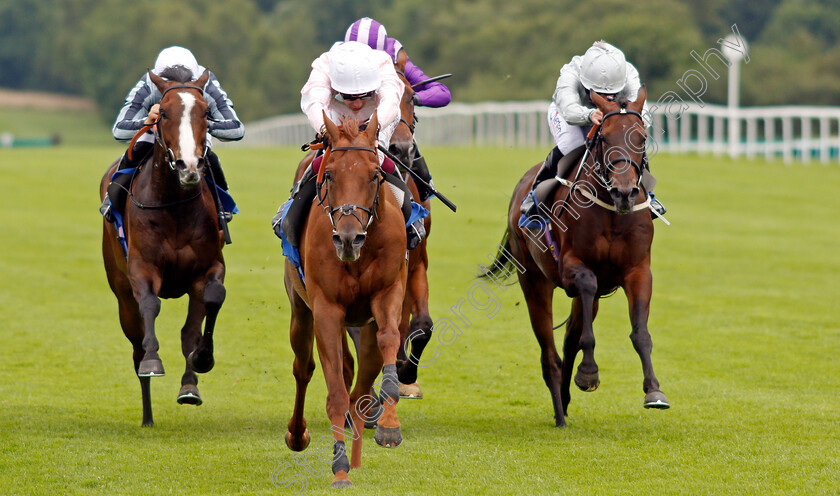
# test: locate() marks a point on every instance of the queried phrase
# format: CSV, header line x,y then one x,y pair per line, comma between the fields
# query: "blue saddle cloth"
x,y
291,251
224,197
534,221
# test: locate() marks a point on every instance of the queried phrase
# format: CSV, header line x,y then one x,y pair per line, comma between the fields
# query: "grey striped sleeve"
x,y
225,124
135,109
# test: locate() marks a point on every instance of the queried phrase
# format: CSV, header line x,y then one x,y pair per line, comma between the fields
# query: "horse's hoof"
x,y
587,382
411,391
298,446
341,480
150,423
388,437
189,395
656,399
152,367
199,364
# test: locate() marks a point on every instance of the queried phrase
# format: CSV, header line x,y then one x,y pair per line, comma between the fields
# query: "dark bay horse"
x,y
416,322
174,242
352,254
598,239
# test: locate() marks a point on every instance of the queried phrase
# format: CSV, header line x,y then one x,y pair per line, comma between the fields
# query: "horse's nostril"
x,y
337,240
359,240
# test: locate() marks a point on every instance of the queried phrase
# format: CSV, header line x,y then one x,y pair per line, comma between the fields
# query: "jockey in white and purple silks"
x,y
434,94
350,81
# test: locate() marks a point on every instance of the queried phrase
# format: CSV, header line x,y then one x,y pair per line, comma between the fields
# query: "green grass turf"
x,y
746,347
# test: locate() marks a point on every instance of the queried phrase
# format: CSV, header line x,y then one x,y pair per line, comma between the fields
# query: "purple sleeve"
x,y
434,94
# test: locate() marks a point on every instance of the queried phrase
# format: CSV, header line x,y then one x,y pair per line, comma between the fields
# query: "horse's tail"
x,y
504,266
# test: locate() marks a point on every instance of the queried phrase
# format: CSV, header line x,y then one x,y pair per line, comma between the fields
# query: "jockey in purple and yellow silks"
x,y
434,94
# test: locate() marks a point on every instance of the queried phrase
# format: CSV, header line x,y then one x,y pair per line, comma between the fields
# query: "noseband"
x,y
350,208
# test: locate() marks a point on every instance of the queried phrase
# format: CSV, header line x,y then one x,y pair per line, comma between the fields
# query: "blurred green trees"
x,y
261,50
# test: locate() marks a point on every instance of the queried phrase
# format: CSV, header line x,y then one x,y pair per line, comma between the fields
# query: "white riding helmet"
x,y
353,68
176,55
603,68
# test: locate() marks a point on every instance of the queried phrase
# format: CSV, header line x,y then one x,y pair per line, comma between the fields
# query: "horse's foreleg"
x,y
539,293
301,335
364,405
580,281
420,327
386,310
201,360
571,346
145,292
638,287
190,335
329,328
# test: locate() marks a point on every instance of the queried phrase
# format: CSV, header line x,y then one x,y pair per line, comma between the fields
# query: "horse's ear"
x,y
402,60
332,129
202,80
372,129
640,98
598,100
159,81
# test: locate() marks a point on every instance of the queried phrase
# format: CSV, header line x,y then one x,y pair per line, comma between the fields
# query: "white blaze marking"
x,y
186,140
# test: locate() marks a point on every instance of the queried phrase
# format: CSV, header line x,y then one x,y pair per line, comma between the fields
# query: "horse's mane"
x,y
350,127
177,73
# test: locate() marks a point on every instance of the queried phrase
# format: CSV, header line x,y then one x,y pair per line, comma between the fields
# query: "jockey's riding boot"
x,y
218,177
547,171
656,205
302,194
118,189
419,166
415,232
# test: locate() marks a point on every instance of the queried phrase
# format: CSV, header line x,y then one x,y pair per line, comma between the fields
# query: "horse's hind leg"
x,y
582,281
539,293
571,346
301,336
190,336
201,360
638,287
133,329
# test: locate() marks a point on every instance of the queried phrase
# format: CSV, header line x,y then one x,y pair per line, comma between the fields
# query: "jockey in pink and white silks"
x,y
571,114
433,94
351,80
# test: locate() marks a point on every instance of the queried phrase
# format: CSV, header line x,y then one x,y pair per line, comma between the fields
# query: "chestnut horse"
x,y
357,279
174,242
603,240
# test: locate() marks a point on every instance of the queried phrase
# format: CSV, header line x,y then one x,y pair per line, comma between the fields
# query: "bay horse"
x,y
174,245
416,323
598,239
358,279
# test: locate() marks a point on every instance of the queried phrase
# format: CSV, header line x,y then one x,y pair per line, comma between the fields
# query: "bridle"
x,y
168,153
411,125
347,208
598,144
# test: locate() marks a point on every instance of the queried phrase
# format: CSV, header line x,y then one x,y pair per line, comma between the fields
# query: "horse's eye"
x,y
327,176
162,113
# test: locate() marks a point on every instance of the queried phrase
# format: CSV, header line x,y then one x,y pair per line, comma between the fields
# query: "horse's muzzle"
x,y
348,245
624,198
188,174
